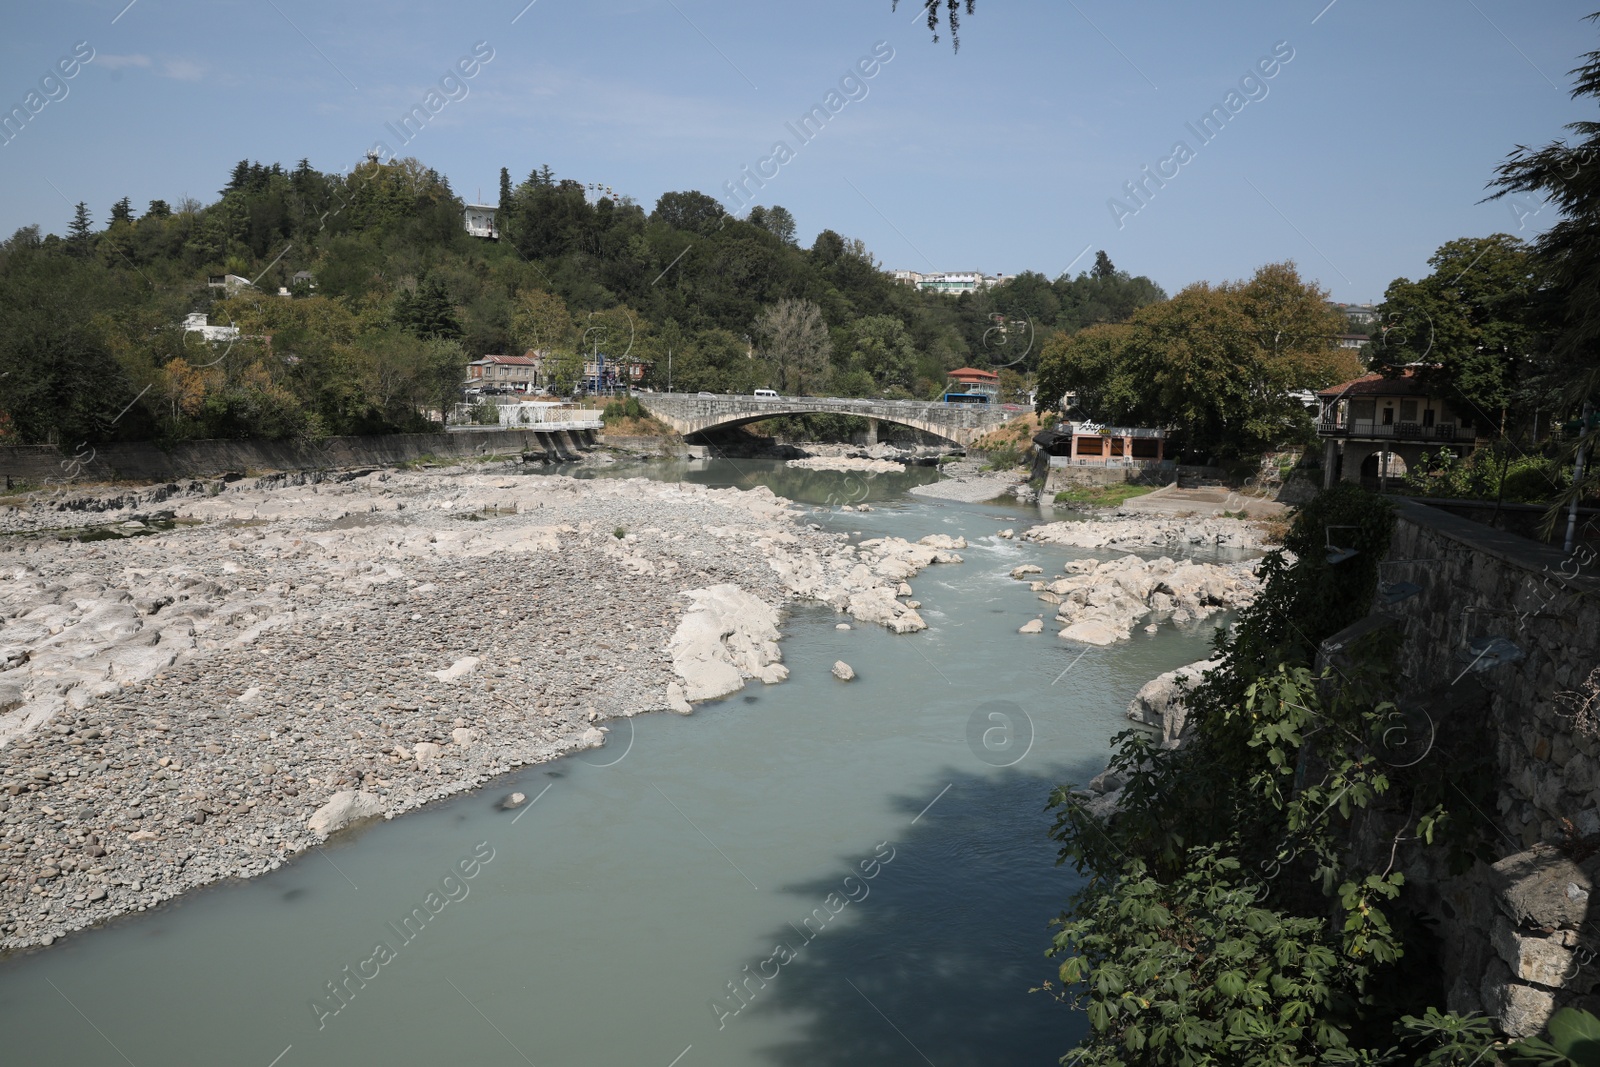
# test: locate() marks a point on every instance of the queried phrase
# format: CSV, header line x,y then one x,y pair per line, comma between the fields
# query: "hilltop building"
x,y
1356,314
197,322
952,282
480,221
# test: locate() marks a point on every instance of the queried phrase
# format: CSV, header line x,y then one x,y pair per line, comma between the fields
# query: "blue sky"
x,y
1357,158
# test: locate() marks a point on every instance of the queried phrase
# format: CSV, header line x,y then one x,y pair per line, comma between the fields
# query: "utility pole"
x,y
669,370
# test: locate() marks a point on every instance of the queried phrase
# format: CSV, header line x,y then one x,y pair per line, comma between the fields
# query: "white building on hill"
x,y
953,282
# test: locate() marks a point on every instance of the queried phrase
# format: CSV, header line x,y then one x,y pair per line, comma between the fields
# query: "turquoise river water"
x,y
867,863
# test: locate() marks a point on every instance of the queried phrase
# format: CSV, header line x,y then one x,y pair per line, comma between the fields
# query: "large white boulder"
x,y
342,809
726,636
1160,703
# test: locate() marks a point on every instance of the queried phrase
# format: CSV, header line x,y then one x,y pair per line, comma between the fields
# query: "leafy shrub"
x,y
1226,920
1496,472
622,409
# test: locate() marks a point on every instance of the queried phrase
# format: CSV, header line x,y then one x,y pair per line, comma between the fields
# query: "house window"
x,y
1362,410
1388,415
1408,411
1427,418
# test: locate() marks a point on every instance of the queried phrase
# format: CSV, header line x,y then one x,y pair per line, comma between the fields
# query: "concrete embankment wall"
x,y
39,465
1513,932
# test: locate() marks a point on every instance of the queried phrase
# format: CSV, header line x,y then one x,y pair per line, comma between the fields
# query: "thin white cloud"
x,y
184,70
114,62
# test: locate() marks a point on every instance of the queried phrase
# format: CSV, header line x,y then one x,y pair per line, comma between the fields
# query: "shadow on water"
x,y
912,976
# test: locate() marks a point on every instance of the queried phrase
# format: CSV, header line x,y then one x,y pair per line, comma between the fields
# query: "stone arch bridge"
x,y
961,424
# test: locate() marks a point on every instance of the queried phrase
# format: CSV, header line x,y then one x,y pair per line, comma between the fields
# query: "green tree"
x,y
58,379
692,211
880,346
952,14
793,340
1473,326
80,231
1568,253
1216,362
428,312
540,320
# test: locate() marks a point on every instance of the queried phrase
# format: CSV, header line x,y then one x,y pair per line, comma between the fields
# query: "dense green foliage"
x,y
1500,471
1216,362
389,297
1227,919
1475,329
1566,258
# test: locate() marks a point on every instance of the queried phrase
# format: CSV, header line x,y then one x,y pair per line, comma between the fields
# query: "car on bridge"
x,y
765,394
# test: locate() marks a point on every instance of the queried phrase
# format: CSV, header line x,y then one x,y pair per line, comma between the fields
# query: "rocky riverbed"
x,y
1136,529
971,481
257,661
849,463
1100,601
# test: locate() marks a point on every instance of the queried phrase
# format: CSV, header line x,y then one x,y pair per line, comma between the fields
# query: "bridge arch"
x,y
960,424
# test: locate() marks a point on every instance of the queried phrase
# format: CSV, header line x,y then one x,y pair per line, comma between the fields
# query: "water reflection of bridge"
x,y
689,413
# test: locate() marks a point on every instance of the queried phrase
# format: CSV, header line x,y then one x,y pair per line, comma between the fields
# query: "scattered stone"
x,y
513,801
843,671
460,668
1032,626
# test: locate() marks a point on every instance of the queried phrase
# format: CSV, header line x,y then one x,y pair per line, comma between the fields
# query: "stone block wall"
x,y
1513,933
40,465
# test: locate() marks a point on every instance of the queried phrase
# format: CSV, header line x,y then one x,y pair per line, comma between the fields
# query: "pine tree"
x,y
239,178
80,233
122,211
1103,267
428,312
158,209
505,191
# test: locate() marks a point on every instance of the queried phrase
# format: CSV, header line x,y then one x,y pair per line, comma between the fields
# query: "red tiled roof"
x,y
974,372
1377,385
514,361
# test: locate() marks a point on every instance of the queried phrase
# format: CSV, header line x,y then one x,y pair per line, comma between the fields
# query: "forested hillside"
x,y
399,298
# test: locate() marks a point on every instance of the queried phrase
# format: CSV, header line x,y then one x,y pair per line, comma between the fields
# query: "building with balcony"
x,y
1375,429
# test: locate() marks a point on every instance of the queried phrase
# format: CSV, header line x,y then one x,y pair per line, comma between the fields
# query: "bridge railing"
x,y
847,405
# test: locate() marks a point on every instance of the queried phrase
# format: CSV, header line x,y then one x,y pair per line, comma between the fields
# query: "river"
x,y
887,833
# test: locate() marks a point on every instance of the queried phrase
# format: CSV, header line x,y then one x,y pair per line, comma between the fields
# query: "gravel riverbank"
x,y
969,481
175,705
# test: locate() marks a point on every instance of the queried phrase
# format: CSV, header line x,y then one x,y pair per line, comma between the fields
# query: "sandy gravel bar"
x,y
175,707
